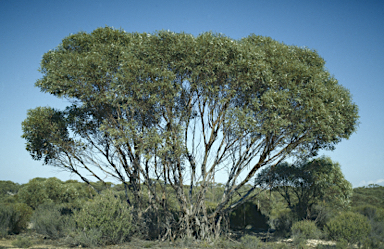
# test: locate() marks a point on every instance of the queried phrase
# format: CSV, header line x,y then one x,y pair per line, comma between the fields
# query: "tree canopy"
x,y
171,109
307,183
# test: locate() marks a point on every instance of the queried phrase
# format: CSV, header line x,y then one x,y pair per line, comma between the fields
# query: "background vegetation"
x,y
76,214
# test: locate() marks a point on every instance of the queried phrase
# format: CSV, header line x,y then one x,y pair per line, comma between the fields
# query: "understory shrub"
x,y
22,242
250,242
89,238
299,242
221,242
103,220
40,190
283,224
14,218
48,220
33,193
306,229
375,216
322,213
153,223
348,226
5,217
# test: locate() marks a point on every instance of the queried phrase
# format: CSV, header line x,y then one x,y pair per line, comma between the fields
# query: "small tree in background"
x,y
8,188
40,190
305,184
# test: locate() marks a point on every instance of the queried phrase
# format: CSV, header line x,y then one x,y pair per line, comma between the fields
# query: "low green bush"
x,y
250,242
283,224
52,190
49,221
323,213
25,213
306,229
219,243
92,237
375,216
5,219
14,218
300,242
348,226
105,219
22,242
33,193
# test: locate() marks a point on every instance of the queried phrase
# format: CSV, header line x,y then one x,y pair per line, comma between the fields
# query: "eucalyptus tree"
x,y
305,184
170,110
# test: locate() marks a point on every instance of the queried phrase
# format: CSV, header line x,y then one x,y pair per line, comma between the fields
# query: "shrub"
x,y
106,219
153,223
39,190
49,221
348,226
24,213
14,218
5,218
9,199
306,229
90,238
221,242
8,188
249,242
322,213
300,242
33,193
371,212
283,224
22,242
376,219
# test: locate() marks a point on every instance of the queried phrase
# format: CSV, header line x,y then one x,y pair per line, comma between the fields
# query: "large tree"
x,y
169,111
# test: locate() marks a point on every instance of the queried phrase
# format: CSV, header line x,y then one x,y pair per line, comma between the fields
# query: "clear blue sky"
x,y
349,35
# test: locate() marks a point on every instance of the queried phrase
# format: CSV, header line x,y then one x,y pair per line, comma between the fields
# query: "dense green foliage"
x,y
14,218
306,184
369,201
106,217
375,215
8,188
306,229
22,242
349,226
371,194
55,221
48,220
175,109
40,190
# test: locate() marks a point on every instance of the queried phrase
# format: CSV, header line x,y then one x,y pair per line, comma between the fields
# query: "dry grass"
x,y
41,243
